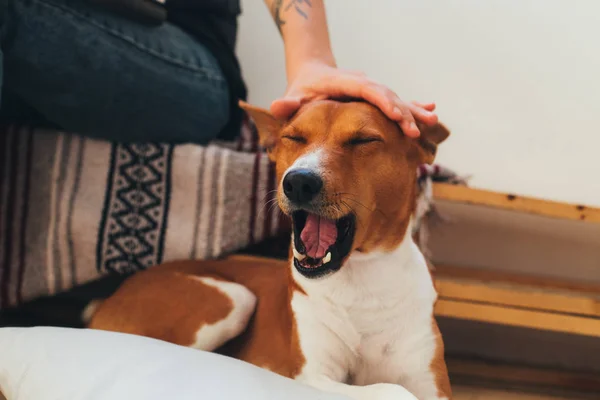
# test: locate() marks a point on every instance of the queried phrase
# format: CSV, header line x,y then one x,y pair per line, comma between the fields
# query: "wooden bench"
x,y
524,299
524,266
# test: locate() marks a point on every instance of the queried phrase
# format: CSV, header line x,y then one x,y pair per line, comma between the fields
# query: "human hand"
x,y
320,81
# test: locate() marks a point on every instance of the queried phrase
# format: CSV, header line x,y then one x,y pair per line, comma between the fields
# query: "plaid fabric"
x,y
73,209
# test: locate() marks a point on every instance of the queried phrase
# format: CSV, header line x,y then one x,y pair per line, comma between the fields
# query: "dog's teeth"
x,y
327,258
297,255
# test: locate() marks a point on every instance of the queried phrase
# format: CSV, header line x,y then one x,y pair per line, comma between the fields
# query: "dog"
x,y
352,310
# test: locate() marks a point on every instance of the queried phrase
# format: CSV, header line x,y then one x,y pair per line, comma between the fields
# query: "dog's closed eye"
x,y
360,140
295,138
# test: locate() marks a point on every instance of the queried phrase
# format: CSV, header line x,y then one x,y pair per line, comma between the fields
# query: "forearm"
x,y
303,27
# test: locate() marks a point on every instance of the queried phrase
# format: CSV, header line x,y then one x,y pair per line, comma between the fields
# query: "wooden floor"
x,y
471,393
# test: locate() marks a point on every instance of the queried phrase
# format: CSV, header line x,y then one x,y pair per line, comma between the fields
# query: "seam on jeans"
x,y
206,72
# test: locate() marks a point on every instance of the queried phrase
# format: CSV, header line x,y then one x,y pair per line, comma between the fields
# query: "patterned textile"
x,y
73,209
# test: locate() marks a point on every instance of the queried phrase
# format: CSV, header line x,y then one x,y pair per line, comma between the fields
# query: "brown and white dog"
x,y
352,311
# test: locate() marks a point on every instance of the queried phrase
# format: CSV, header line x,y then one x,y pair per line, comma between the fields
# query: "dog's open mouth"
x,y
320,244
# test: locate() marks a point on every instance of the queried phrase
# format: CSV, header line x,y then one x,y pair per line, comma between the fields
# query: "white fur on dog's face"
x,y
312,161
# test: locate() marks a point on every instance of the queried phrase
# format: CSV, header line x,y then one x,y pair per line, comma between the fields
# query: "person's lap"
x,y
103,76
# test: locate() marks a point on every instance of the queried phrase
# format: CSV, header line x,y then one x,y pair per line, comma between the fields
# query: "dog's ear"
x,y
268,126
430,138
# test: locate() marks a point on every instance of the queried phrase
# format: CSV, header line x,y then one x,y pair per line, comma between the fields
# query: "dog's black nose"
x,y
302,185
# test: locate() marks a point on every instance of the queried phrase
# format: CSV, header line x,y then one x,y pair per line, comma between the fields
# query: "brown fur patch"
x,y
163,305
271,339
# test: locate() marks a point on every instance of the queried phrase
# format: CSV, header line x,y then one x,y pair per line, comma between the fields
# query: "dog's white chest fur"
x,y
370,322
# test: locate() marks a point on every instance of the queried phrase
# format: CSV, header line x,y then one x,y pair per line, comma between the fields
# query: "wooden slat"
x,y
519,296
518,376
503,315
491,276
463,194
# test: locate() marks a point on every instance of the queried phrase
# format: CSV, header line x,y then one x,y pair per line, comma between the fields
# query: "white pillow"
x,y
77,364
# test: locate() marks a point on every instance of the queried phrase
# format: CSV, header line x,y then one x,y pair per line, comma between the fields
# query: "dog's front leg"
x,y
329,342
423,374
379,391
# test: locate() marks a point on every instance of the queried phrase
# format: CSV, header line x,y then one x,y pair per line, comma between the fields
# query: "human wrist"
x,y
296,62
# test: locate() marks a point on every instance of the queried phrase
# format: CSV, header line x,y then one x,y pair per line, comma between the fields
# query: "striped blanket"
x,y
73,209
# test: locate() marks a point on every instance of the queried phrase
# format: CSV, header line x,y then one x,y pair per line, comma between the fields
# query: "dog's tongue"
x,y
318,235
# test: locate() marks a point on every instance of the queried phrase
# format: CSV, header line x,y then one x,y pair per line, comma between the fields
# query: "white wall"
x,y
517,81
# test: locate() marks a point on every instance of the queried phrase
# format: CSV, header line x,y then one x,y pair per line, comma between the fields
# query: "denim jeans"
x,y
103,76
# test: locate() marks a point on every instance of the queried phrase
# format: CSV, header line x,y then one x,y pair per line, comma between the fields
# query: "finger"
x,y
406,117
356,86
391,105
409,127
394,107
386,100
378,95
427,106
284,107
357,73
423,115
407,120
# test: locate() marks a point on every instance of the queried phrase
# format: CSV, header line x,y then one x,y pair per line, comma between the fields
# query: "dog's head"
x,y
347,178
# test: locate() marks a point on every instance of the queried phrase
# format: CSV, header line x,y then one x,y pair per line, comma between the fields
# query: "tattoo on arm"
x,y
276,11
278,7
